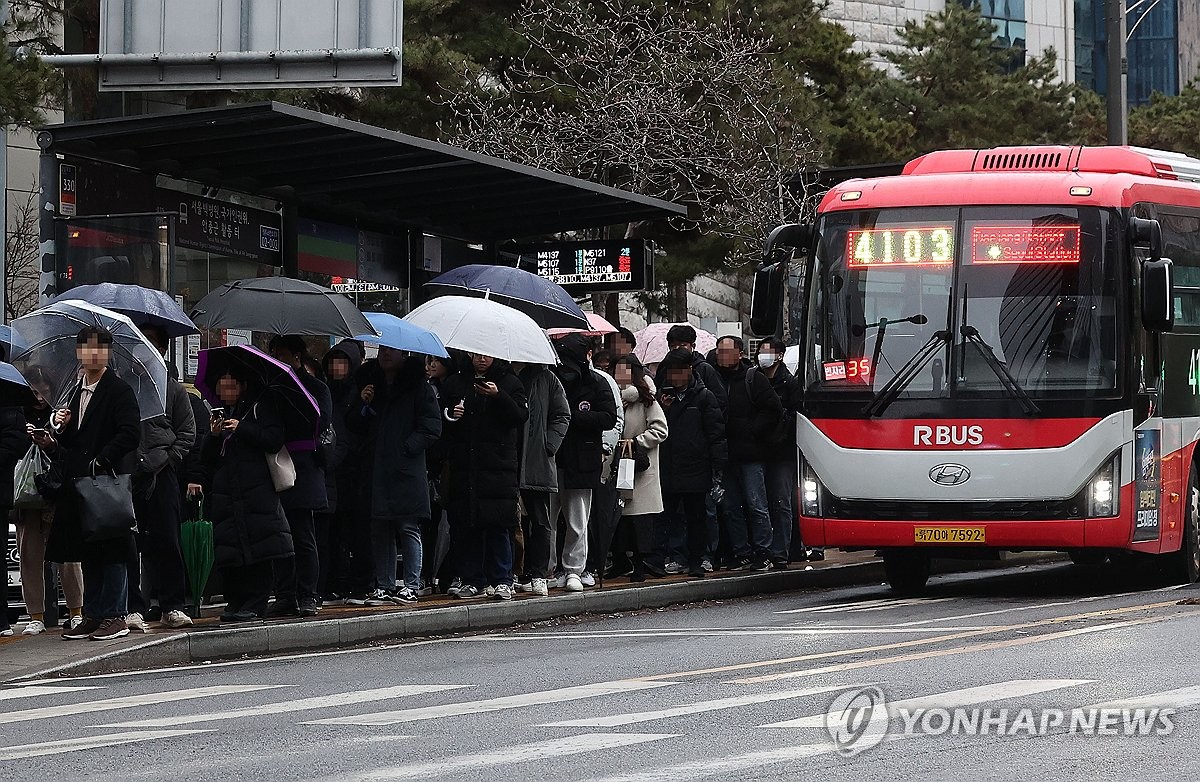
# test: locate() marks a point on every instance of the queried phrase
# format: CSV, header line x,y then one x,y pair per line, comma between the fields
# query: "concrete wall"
x,y
1189,41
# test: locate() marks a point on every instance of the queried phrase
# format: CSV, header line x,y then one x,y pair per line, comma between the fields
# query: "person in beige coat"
x,y
646,429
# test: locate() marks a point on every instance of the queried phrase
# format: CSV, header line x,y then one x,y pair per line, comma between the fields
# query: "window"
x,y
1008,17
1181,243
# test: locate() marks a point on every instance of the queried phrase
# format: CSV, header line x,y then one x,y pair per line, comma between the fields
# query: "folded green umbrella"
x,y
196,540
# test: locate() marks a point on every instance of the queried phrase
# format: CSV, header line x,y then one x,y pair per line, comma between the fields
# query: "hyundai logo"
x,y
949,474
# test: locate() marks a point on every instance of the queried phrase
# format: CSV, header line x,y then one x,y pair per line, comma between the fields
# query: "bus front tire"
x,y
907,571
1185,563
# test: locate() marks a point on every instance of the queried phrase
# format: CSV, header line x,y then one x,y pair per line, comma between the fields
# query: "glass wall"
x,y
1008,16
1152,49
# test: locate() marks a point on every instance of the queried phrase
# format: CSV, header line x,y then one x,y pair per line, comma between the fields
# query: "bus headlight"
x,y
810,492
1102,492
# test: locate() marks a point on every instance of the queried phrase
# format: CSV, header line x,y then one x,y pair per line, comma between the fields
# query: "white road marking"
x,y
1181,698
284,707
849,606
522,753
617,720
947,700
89,742
1031,607
721,766
493,704
41,689
730,633
979,647
130,701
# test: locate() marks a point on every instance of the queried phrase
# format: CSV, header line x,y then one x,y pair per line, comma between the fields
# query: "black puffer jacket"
x,y
484,447
309,491
703,370
245,511
696,449
394,433
343,469
753,413
593,412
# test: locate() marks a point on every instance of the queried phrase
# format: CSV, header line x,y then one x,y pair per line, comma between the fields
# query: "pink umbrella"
x,y
599,327
652,342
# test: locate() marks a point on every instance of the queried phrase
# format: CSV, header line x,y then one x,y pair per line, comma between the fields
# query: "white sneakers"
x,y
6,632
574,583
588,579
35,627
503,592
176,619
539,587
135,621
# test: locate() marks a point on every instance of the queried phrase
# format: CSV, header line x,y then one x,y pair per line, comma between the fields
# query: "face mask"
x,y
766,360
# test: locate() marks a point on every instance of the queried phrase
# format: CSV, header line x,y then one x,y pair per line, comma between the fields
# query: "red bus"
x,y
1000,350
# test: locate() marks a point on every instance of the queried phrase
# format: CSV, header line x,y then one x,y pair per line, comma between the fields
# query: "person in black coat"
x,y
683,337
14,442
484,410
296,576
580,460
343,531
250,530
98,431
753,420
692,459
398,418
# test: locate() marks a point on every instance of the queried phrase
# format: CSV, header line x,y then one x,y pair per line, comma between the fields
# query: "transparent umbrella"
x,y
51,332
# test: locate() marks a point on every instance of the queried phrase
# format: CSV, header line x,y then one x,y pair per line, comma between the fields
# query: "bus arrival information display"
x,y
591,266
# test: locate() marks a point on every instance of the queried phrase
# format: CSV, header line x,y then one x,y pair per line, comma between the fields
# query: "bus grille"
x,y
893,510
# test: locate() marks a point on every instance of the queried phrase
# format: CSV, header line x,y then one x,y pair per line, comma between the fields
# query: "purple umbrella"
x,y
300,412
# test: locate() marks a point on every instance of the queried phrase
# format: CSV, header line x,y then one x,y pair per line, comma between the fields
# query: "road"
x,y
736,690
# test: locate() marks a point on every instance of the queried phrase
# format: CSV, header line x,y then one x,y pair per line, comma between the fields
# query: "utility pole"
x,y
1114,22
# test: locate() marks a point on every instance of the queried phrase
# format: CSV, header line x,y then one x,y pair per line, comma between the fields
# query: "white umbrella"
x,y
486,327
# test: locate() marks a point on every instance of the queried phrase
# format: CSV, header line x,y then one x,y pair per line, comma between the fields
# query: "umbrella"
x,y
280,305
14,390
398,333
652,342
51,333
143,306
544,301
11,342
487,327
597,327
300,412
196,541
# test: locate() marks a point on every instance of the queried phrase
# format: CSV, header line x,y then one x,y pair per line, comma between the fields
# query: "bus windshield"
x,y
939,302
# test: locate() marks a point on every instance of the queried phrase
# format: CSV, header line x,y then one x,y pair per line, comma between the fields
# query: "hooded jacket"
x,y
703,370
593,412
695,452
341,470
549,418
166,439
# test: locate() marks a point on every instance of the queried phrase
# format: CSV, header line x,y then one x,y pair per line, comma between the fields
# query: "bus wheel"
x,y
907,571
1088,557
1185,563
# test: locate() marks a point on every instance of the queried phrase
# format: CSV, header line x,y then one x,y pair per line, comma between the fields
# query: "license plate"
x,y
949,535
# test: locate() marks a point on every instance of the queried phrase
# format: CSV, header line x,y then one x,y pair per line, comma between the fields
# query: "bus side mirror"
x,y
766,299
795,235
1158,296
1146,234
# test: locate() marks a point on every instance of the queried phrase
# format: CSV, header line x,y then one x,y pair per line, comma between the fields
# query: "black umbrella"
x,y
300,412
280,305
541,299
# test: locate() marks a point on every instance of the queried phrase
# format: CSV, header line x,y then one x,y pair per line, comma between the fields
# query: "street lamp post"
x,y
1114,19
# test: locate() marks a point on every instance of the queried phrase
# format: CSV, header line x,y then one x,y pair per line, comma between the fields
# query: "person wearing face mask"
x,y
780,452
753,415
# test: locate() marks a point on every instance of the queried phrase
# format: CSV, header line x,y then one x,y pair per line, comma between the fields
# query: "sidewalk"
x,y
31,657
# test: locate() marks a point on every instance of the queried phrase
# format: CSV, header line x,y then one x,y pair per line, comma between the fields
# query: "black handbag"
x,y
105,506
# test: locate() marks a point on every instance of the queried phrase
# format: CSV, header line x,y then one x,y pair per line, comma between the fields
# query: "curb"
x,y
313,635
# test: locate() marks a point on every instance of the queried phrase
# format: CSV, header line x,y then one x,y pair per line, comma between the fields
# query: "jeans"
x,y
105,589
383,539
576,505
781,495
296,576
537,534
487,557
749,528
687,512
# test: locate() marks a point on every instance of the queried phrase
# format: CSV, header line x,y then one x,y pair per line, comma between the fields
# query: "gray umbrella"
x,y
280,305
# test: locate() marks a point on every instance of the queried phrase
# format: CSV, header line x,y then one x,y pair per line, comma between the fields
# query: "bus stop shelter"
x,y
186,201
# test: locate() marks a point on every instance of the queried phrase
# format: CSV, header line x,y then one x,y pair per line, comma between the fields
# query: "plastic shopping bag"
x,y
25,490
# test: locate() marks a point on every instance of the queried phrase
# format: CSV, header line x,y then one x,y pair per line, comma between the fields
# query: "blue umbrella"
x,y
400,334
12,342
143,306
548,303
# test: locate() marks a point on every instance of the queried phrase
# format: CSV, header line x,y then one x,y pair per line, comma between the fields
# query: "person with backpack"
x,y
780,453
753,419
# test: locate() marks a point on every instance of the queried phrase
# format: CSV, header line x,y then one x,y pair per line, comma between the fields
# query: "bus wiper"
x,y
908,372
971,334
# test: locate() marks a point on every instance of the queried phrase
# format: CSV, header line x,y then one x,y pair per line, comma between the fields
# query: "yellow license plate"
x,y
949,535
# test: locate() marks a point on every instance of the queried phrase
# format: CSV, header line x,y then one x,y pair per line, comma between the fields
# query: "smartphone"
x,y
479,381
39,432
218,412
